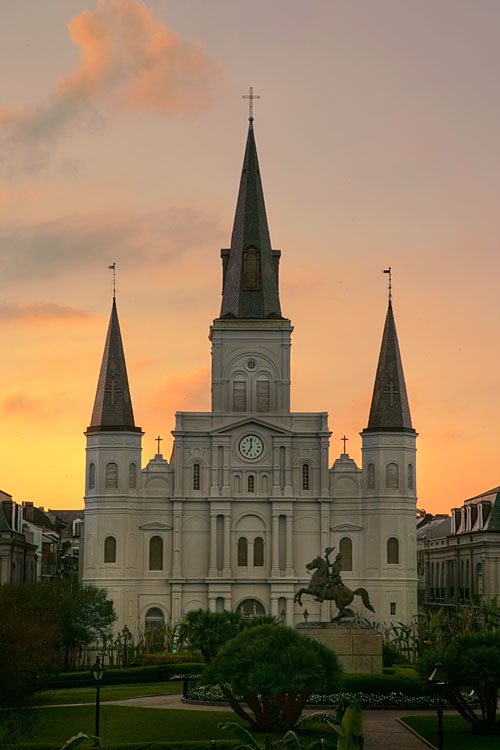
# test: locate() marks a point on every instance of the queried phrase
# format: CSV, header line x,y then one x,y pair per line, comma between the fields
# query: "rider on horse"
x,y
332,575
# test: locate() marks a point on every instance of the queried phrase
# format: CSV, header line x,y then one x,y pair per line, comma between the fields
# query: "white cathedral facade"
x,y
249,496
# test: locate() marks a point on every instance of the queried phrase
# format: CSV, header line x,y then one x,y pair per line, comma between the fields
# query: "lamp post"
x,y
126,635
439,680
97,673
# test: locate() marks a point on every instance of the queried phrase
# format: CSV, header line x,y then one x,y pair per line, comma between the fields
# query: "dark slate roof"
x,y
113,405
5,513
390,410
250,230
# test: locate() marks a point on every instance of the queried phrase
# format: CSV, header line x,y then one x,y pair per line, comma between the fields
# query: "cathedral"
x,y
249,497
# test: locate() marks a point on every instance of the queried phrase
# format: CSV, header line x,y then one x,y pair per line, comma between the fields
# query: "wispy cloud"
x,y
20,405
43,312
129,61
67,244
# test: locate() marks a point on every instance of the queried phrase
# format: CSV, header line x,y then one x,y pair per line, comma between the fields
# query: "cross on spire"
x,y
159,440
251,96
112,267
344,440
389,271
391,391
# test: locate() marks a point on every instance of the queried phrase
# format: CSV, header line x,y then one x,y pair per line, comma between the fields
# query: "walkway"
x,y
382,729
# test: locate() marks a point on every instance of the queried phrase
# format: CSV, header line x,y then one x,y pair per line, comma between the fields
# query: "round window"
x,y
251,364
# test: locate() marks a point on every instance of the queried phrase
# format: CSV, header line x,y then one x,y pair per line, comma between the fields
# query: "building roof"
x,y
113,405
390,410
258,297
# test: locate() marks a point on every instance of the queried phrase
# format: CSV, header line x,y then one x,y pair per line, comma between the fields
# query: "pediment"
x,y
155,526
251,422
346,527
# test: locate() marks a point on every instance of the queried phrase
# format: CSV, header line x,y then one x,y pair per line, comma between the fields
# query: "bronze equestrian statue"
x,y
326,583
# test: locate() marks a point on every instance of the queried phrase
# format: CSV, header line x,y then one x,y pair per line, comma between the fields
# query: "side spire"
x,y
390,410
113,406
250,265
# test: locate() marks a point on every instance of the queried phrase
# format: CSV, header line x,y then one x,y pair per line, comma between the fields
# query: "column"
x,y
212,603
177,540
227,545
289,548
324,476
212,571
289,612
275,546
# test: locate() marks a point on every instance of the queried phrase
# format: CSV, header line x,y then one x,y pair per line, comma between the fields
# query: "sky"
x,y
122,131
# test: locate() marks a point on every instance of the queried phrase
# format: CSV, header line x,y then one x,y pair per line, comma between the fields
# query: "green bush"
x,y
165,657
158,673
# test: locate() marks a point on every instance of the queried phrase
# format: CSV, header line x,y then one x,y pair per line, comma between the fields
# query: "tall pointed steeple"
x,y
390,411
250,266
113,406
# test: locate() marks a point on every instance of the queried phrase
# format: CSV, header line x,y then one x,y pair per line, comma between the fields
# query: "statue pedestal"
x,y
358,648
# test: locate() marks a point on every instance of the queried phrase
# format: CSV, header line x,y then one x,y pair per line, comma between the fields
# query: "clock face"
x,y
251,446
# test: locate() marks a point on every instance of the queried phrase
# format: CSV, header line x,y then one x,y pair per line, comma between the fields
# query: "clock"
x,y
251,446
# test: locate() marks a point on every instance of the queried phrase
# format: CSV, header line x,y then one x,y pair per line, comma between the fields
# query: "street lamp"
x,y
439,680
127,635
97,673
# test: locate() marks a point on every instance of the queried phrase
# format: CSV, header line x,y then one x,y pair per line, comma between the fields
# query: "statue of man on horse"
x,y
326,584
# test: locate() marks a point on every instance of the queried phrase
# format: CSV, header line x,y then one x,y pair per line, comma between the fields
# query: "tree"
x,y
28,643
471,661
273,669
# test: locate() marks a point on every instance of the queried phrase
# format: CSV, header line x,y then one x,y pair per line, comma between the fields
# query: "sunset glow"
x,y
122,129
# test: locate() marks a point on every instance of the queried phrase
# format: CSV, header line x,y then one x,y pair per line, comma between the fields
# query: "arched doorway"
x,y
250,608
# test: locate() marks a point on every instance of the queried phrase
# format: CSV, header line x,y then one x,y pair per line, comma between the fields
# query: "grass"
x,y
108,693
129,724
457,733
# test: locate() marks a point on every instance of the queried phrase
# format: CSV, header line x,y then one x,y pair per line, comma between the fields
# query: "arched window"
x,y
111,476
154,619
239,395
392,476
156,553
132,476
479,578
258,552
251,483
410,477
91,476
196,476
110,549
370,475
392,551
242,552
305,476
251,270
345,549
263,394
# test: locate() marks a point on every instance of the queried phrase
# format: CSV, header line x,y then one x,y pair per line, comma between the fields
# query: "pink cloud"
x,y
18,404
130,60
43,312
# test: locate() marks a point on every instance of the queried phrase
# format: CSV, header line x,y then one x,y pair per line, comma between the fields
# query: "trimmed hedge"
x,y
384,684
157,673
154,745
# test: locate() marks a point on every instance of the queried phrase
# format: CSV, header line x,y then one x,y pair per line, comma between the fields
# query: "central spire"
x,y
250,266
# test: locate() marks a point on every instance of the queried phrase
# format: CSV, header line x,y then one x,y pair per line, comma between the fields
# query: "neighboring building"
x,y
248,497
459,555
17,550
71,527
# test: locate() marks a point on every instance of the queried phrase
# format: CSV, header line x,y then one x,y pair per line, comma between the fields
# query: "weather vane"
x,y
389,271
251,96
112,267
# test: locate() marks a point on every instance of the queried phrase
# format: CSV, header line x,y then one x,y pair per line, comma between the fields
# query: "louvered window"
x,y
392,476
110,549
371,476
92,477
263,393
132,476
345,549
392,551
242,552
258,552
410,476
156,553
239,395
251,483
111,476
251,270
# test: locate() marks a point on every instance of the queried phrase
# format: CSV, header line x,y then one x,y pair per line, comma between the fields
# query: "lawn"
x,y
129,724
108,693
456,733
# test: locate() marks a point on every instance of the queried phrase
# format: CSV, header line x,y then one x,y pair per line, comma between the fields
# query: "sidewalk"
x,y
382,730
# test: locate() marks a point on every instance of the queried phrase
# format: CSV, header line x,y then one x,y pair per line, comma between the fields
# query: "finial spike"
x,y
112,267
251,96
389,271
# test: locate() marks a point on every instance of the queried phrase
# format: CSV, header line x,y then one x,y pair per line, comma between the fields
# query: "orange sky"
x,y
122,131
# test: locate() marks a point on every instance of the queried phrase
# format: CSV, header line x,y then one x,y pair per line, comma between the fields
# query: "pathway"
x,y
382,729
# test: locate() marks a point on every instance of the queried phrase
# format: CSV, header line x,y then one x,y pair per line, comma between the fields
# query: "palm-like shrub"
x,y
273,669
